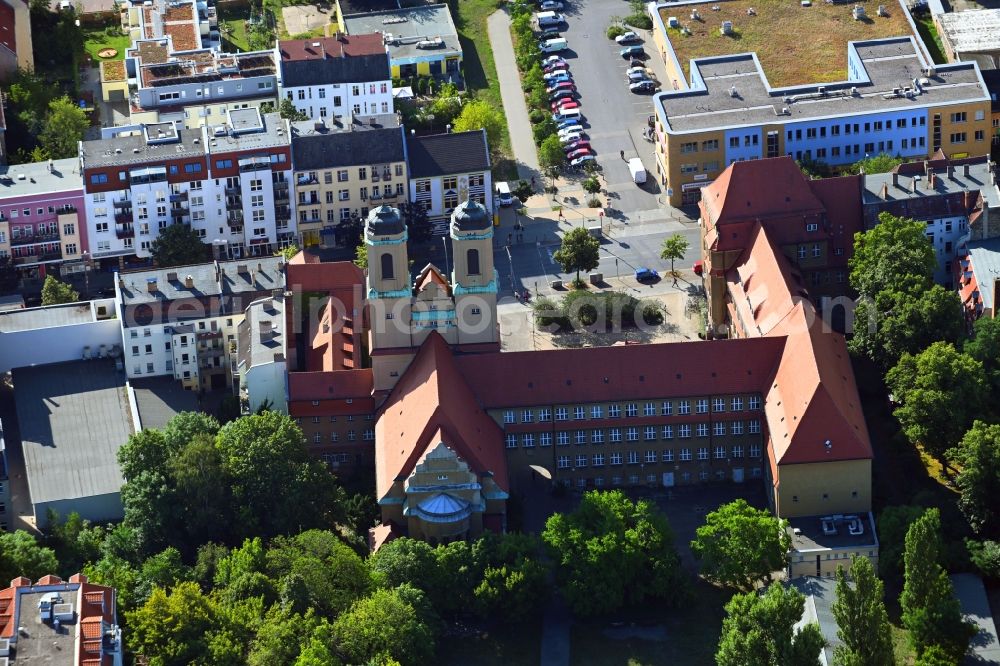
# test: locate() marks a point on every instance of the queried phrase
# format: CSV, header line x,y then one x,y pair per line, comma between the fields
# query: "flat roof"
x,y
985,256
807,48
408,27
12,321
733,91
807,533
160,399
978,180
39,179
41,643
206,65
253,274
250,131
132,148
971,30
361,140
262,333
73,419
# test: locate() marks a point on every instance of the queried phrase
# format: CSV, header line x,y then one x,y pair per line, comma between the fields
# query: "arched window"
x,y
387,268
472,261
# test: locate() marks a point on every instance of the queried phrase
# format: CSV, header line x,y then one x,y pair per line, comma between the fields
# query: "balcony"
x,y
124,231
178,196
310,219
123,203
281,185
307,180
65,210
30,239
234,203
282,212
235,218
125,217
178,211
234,190
281,195
38,258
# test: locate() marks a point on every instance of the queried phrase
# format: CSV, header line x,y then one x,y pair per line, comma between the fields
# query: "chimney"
x,y
885,191
78,578
927,168
914,184
969,200
965,171
189,282
932,181
151,285
171,277
241,269
895,180
266,333
951,172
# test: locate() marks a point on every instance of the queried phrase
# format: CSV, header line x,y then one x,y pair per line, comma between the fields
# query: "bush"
x,y
543,130
523,190
986,556
423,85
592,185
606,310
536,116
594,202
641,21
616,31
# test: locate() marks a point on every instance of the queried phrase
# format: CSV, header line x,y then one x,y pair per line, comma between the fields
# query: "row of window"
x,y
333,419
15,213
632,409
352,436
654,479
652,457
356,89
615,435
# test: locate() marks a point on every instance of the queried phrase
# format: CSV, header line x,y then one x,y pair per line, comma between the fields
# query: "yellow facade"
x,y
811,490
114,83
964,130
323,196
69,235
198,115
824,562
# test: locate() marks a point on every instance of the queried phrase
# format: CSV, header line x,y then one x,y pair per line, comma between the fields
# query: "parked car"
x,y
577,145
562,85
564,105
579,153
643,274
636,62
642,87
551,59
569,128
579,161
561,95
641,69
636,74
556,73
628,38
633,51
571,137
553,65
549,33
568,119
553,45
551,6
559,78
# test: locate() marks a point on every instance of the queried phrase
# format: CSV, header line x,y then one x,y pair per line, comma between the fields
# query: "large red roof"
x,y
319,48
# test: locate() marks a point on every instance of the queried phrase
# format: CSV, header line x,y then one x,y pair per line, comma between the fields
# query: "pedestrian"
x,y
510,237
622,153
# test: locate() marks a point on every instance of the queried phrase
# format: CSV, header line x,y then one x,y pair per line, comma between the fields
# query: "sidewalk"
x,y
518,124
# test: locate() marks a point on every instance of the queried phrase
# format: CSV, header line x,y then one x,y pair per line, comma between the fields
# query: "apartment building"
x,y
446,169
892,102
328,77
186,25
422,40
31,615
43,224
259,366
250,159
196,88
978,278
15,37
343,169
182,321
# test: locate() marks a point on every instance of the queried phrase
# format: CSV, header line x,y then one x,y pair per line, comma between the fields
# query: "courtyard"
x,y
792,54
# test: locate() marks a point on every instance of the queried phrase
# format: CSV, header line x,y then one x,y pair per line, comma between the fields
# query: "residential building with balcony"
x,y
252,212
186,25
978,278
43,224
340,76
893,101
344,168
446,169
62,623
196,88
422,40
137,181
183,321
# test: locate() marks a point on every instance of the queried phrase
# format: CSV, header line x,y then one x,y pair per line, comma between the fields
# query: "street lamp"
x,y
444,242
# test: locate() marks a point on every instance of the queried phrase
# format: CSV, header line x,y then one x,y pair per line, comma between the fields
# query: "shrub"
x,y
522,190
592,185
423,84
615,30
606,310
536,116
641,21
594,202
543,130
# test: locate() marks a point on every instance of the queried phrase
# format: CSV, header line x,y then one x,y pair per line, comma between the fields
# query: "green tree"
x,y
199,478
887,254
331,575
384,625
543,130
940,391
893,523
22,555
881,163
280,635
934,655
978,458
65,124
740,546
74,540
579,251
163,570
179,245
551,154
759,630
862,621
986,556
674,247
446,105
930,610
288,252
286,109
984,346
361,256
612,551
55,292
481,115
175,628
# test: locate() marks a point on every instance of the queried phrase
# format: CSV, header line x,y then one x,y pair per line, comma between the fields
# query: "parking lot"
x,y
615,117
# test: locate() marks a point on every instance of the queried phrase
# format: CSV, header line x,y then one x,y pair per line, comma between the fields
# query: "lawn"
x,y
95,39
928,33
477,52
809,47
233,26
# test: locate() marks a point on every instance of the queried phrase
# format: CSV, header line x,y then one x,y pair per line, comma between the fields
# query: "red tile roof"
x,y
331,47
332,385
757,189
432,403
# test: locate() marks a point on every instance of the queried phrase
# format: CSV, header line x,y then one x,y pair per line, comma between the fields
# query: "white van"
x,y
549,19
503,194
637,170
573,114
553,45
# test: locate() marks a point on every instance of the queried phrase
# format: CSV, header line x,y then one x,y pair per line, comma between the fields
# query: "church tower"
x,y
389,293
474,279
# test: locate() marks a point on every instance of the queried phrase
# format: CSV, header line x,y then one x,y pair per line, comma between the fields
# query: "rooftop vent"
x,y
171,277
151,285
189,282
242,269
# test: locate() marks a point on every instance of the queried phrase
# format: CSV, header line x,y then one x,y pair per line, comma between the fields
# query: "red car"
x,y
577,145
562,85
565,105
554,65
580,152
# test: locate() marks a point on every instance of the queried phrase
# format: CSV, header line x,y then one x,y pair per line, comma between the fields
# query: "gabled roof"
x,y
759,188
431,274
331,60
370,140
448,154
430,404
